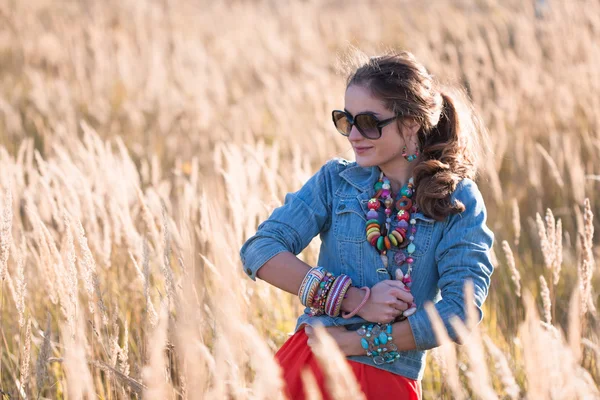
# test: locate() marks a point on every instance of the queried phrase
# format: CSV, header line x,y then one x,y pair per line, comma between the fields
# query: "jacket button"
x,y
341,207
248,271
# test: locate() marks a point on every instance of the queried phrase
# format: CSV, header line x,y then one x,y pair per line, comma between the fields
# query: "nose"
x,y
354,134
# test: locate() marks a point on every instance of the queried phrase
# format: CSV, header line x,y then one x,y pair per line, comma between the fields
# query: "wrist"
x,y
352,345
353,298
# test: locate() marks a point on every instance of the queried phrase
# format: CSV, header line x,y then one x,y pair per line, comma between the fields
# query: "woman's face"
x,y
388,148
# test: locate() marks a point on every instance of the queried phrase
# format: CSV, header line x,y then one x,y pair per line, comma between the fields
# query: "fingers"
x,y
396,284
402,295
400,306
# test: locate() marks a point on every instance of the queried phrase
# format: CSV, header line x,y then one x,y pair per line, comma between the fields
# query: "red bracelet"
x,y
362,303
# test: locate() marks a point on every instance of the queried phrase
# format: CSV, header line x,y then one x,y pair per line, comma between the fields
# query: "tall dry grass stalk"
x,y
503,369
156,379
516,220
588,233
514,272
469,334
447,352
141,143
41,367
547,303
339,379
25,359
558,259
5,232
586,268
551,368
310,385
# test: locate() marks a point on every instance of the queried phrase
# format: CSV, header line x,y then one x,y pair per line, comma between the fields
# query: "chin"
x,y
365,161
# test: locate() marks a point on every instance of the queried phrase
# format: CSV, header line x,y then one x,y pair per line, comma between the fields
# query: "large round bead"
x,y
406,191
372,214
399,238
373,240
404,203
373,230
380,244
378,185
403,224
373,204
387,243
371,226
389,202
403,216
371,236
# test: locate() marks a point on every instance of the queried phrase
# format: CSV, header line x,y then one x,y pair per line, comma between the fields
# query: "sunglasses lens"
x,y
341,123
368,124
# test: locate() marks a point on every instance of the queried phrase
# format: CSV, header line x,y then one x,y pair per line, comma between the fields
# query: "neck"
x,y
398,171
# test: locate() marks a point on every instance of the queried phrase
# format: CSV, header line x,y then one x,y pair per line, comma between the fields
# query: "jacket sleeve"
x,y
292,226
462,254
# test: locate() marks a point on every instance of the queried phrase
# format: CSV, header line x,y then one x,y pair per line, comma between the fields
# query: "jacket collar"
x,y
362,178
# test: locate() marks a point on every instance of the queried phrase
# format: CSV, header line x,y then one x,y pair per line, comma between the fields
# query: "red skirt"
x,y
376,383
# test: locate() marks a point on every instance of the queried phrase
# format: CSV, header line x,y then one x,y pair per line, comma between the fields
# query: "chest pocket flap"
x,y
349,220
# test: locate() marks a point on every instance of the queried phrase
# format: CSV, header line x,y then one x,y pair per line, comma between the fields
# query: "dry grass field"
x,y
142,141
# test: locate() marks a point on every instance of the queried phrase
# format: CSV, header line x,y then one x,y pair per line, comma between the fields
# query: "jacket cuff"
x,y
422,330
258,254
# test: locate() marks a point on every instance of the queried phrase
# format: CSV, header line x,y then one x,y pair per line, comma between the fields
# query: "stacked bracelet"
x,y
336,295
318,304
323,292
376,339
358,307
310,284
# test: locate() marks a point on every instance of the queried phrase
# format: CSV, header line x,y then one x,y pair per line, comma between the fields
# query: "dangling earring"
x,y
411,157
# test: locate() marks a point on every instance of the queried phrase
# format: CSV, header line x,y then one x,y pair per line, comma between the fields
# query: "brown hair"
x,y
452,138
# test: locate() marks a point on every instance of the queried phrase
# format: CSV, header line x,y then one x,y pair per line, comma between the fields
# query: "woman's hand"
x,y
387,301
347,341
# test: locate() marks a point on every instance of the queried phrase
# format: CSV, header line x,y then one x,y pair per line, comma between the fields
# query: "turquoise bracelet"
x,y
376,339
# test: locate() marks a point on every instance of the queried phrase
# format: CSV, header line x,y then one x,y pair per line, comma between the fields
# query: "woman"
x,y
403,225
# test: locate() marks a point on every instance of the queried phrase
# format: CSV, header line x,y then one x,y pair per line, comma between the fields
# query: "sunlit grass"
x,y
141,143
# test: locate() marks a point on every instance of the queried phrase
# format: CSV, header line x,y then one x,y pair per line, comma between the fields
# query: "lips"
x,y
360,150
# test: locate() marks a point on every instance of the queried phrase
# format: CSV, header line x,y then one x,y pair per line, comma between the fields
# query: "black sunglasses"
x,y
366,123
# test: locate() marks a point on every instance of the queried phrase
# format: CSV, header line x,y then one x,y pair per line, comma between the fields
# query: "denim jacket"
x,y
333,205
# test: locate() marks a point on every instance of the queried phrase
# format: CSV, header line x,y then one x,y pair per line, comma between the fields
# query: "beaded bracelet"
x,y
310,284
318,303
376,339
340,299
336,295
362,303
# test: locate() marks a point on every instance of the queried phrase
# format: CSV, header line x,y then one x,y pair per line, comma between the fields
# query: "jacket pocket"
x,y
350,220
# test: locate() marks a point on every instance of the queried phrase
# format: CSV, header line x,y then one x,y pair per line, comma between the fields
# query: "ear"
x,y
410,127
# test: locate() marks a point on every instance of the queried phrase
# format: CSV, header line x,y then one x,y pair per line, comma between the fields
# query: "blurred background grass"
x,y
215,110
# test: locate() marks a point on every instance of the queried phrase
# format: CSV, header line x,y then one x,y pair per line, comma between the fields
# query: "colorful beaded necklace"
x,y
383,237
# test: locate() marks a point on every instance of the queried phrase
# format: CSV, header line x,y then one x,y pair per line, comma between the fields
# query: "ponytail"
x,y
449,154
